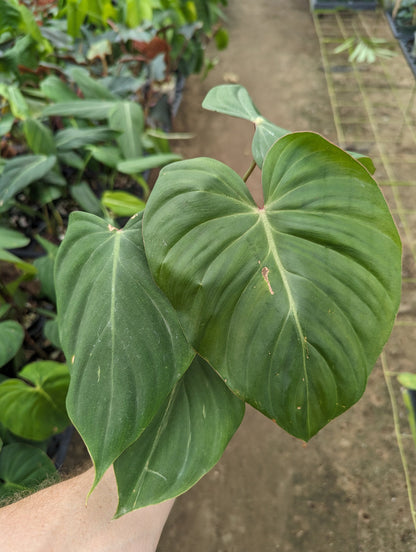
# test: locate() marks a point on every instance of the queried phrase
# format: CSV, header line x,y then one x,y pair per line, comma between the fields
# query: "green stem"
x,y
250,170
399,438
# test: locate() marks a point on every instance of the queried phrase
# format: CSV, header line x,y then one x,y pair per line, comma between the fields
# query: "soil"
x,y
345,490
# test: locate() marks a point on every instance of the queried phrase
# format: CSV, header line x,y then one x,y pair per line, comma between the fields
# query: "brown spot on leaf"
x,y
265,273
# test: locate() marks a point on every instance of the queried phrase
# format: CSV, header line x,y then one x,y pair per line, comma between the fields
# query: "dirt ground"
x,y
345,490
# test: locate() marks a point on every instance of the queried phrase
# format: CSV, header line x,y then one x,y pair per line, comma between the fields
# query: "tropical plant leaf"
x,y
74,138
91,88
17,102
107,155
9,17
11,339
33,407
57,90
183,442
291,304
135,166
24,467
6,123
22,171
127,119
81,109
86,198
8,257
234,100
45,267
119,334
39,137
12,239
122,203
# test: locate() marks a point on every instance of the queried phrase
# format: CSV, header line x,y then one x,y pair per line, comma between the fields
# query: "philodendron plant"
x,y
206,301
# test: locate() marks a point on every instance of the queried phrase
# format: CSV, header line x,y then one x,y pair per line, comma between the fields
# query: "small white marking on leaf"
x,y
98,374
156,473
265,273
73,359
112,228
204,414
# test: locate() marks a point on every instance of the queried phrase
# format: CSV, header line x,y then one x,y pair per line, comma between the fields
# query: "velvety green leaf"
x,y
291,304
119,334
81,109
12,239
265,136
11,339
127,118
74,138
91,88
231,99
57,90
39,137
4,309
107,155
86,198
8,257
183,442
22,171
17,102
51,331
71,159
6,123
408,380
76,13
135,166
234,100
34,407
122,203
24,467
46,194
364,160
45,268
9,17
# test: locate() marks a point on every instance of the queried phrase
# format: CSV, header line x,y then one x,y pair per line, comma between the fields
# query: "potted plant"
x,y
206,301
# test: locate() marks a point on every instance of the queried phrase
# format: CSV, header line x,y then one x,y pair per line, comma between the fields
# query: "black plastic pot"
x,y
400,30
406,44
343,4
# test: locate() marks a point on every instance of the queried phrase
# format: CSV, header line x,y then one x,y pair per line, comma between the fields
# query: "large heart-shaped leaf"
x,y
183,442
119,333
23,467
292,303
34,407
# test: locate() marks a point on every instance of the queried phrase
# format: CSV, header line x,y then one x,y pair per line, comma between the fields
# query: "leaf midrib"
x,y
292,303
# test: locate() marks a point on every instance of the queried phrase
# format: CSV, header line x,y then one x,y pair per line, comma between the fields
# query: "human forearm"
x,y
57,518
